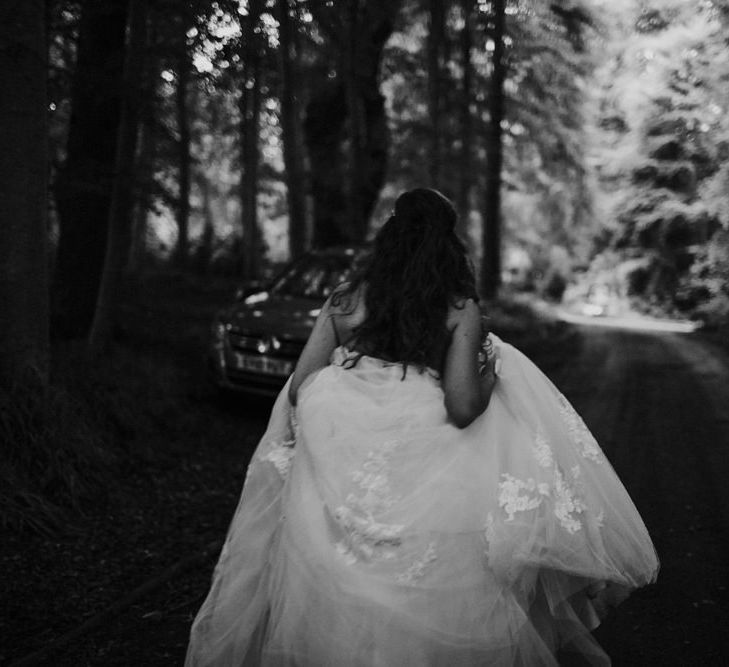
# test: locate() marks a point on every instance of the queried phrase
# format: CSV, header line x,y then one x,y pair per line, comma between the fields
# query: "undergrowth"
x,y
57,456
68,444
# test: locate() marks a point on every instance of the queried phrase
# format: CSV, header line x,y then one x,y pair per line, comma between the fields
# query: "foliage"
x,y
72,444
547,192
657,139
545,89
661,145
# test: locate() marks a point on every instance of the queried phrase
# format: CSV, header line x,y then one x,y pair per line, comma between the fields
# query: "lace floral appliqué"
x,y
366,536
418,567
542,451
566,504
517,495
579,433
488,532
280,454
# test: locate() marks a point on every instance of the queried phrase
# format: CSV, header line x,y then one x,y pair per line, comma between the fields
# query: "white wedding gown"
x,y
372,532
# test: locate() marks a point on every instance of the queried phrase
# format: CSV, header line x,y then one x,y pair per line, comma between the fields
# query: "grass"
x,y
56,458
67,445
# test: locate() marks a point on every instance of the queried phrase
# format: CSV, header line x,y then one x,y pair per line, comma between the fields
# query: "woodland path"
x,y
659,405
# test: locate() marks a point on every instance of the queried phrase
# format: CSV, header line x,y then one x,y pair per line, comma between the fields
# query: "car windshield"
x,y
313,277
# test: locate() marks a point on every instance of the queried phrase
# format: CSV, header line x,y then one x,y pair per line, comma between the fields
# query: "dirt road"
x,y
659,405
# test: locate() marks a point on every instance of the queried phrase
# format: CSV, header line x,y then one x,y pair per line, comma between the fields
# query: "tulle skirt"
x,y
372,532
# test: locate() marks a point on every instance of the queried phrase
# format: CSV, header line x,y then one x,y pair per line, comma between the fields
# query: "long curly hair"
x,y
417,270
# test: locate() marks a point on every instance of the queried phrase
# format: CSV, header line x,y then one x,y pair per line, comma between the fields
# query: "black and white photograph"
x,y
364,333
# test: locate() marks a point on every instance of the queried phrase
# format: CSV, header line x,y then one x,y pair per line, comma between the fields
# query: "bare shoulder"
x,y
463,312
342,299
346,304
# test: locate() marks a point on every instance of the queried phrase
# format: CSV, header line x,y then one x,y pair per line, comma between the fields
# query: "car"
x,y
256,341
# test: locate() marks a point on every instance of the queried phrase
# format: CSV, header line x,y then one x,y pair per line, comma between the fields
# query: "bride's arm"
x,y
467,393
317,351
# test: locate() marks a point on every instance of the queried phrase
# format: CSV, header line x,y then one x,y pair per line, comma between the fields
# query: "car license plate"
x,y
262,364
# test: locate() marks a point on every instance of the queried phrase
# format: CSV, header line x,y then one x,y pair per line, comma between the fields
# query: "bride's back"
x,y
350,313
403,305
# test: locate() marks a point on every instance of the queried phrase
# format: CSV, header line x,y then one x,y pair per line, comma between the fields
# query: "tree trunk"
x,y
122,201
324,131
250,112
465,161
357,214
377,21
138,247
349,112
204,254
377,140
436,39
182,108
291,129
23,192
491,262
84,182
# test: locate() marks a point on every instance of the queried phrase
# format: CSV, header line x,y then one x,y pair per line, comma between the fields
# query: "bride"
x,y
421,496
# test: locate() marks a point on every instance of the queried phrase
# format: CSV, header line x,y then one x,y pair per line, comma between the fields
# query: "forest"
x,y
227,137
155,154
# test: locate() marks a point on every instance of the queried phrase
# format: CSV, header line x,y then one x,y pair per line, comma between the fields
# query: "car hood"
x,y
283,316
